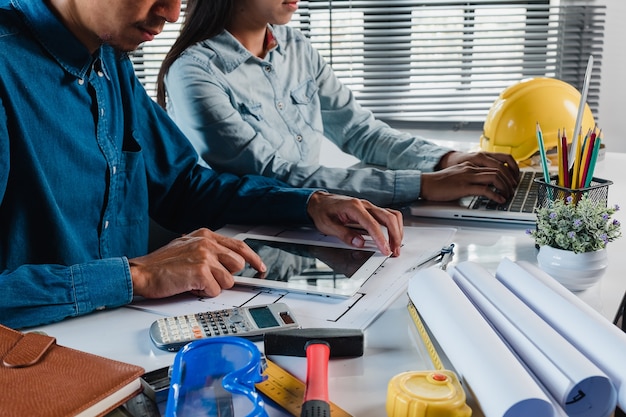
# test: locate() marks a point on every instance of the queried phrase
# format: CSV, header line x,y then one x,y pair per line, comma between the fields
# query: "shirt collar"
x,y
231,53
270,42
55,38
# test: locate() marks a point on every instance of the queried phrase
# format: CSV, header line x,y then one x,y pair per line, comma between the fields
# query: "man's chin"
x,y
129,49
124,48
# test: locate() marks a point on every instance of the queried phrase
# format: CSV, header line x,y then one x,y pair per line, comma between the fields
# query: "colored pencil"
x,y
542,154
592,163
576,169
560,150
589,145
566,177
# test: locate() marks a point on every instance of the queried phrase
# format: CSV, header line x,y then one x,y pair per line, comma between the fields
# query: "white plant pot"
x,y
575,271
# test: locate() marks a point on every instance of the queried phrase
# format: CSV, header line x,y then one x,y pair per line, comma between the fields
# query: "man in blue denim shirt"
x,y
86,157
255,97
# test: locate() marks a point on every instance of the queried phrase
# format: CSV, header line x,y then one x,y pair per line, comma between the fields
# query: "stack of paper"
x,y
524,344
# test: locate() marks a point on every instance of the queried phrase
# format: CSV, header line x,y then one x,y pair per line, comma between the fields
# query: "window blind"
x,y
439,63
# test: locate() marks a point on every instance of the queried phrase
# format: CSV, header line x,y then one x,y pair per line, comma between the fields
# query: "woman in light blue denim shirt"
x,y
254,96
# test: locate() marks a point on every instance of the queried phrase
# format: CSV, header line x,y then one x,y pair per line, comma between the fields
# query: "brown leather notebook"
x,y
40,378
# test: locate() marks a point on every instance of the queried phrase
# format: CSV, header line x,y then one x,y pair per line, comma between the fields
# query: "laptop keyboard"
x,y
523,201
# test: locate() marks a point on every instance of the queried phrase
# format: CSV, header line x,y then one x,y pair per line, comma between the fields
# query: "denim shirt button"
x,y
81,81
106,224
280,105
299,138
268,68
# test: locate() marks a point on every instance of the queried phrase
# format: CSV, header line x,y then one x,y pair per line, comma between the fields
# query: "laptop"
x,y
519,209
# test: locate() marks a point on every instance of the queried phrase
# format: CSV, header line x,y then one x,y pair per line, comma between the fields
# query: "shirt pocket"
x,y
251,111
306,101
131,180
262,123
304,93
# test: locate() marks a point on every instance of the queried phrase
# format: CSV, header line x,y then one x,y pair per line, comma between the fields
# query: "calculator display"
x,y
263,317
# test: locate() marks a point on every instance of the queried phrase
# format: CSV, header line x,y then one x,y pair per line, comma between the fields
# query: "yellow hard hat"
x,y
511,124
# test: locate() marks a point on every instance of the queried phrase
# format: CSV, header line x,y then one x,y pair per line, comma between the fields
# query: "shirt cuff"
x,y
408,186
101,284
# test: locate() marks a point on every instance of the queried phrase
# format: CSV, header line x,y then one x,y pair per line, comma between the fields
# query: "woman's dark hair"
x,y
203,19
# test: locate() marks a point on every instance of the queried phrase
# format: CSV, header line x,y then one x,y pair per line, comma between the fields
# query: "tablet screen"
x,y
309,267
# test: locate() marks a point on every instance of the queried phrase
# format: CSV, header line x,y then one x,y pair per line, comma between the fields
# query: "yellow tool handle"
x,y
288,391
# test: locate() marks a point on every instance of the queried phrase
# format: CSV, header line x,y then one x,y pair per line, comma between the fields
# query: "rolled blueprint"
x,y
591,333
495,376
576,383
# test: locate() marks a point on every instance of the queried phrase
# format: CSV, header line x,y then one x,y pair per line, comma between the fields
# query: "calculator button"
x,y
236,318
286,318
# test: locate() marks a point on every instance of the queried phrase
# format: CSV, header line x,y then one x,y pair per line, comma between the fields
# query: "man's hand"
x,y
334,214
201,262
492,175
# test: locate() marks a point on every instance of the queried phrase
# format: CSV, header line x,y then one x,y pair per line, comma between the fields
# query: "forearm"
x,y
380,186
230,199
356,131
38,294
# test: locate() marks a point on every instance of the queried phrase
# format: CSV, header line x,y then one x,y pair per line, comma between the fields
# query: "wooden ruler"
x,y
288,391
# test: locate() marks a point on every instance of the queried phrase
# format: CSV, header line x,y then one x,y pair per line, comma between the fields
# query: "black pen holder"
x,y
598,190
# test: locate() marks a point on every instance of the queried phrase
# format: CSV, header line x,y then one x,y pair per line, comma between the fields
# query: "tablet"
x,y
321,268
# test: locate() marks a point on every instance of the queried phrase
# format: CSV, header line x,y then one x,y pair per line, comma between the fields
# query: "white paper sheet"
x,y
576,383
497,379
378,292
591,333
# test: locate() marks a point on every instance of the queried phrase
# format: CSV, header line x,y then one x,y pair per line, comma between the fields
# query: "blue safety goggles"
x,y
217,377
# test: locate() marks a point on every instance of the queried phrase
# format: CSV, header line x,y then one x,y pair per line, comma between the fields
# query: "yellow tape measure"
x,y
421,329
436,393
288,391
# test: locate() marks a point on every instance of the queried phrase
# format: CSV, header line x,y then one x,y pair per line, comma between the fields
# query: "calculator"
x,y
251,322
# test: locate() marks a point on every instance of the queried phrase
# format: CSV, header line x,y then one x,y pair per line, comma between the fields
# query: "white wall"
x,y
612,107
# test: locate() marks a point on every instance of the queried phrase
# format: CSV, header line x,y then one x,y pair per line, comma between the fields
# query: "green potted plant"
x,y
572,235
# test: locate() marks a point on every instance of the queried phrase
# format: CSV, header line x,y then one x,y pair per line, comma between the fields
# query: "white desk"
x,y
360,385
